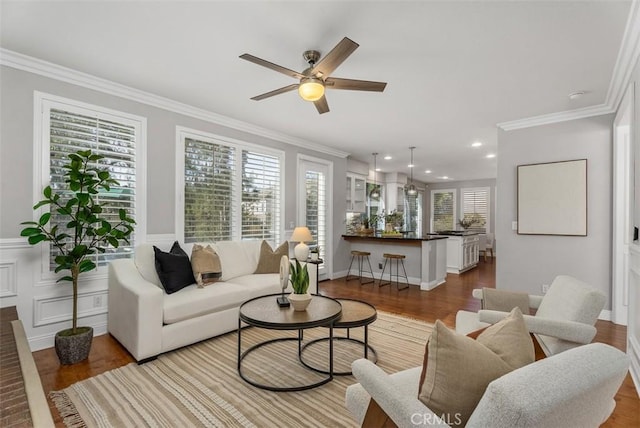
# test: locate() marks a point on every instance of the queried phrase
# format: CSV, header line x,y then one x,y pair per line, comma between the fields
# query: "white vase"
x,y
300,301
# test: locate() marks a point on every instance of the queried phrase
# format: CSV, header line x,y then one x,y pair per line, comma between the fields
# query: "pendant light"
x,y
375,193
411,188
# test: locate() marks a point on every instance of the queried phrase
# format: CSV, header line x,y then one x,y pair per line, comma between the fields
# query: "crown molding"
x,y
40,67
625,63
562,116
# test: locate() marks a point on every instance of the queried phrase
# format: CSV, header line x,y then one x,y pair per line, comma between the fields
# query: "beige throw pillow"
x,y
205,264
269,261
457,368
510,340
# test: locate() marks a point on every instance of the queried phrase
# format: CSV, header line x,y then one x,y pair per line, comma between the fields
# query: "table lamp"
x,y
301,234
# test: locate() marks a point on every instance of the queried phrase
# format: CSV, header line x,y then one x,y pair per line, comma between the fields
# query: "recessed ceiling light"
x,y
444,177
428,171
411,165
388,157
576,95
476,144
491,155
378,169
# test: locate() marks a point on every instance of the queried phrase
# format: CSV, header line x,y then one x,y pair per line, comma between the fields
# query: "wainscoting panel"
x,y
8,278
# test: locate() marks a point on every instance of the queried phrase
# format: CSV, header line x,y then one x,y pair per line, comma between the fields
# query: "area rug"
x,y
199,385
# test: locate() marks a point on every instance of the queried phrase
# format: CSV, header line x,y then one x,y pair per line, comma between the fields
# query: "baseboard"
x,y
605,315
44,341
633,351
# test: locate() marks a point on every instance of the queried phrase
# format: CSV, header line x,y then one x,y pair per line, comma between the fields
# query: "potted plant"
x,y
314,253
86,232
470,219
299,277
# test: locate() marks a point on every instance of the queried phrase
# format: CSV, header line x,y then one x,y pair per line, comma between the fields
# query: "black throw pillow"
x,y
174,268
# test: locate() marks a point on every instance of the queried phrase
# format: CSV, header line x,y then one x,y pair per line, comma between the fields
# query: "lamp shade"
x,y
301,234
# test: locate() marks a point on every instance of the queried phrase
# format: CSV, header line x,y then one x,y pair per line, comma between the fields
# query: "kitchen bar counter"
x,y
426,257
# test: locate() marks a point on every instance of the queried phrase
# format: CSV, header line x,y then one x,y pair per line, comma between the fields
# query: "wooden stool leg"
x,y
381,284
405,277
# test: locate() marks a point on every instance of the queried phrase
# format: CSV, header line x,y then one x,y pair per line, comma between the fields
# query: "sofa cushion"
x,y
456,373
205,264
238,258
174,268
145,261
269,261
191,301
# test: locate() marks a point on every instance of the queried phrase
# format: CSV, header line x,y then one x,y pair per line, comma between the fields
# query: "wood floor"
x,y
441,303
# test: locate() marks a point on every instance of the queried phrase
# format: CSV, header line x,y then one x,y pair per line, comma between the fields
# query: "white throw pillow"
x,y
144,259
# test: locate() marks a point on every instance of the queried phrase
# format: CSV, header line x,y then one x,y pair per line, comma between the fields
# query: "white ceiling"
x,y
454,69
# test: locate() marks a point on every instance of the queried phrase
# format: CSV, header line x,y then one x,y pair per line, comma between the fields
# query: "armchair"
x,y
575,388
564,319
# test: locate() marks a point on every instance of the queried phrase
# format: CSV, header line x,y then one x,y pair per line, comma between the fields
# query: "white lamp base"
x,y
301,251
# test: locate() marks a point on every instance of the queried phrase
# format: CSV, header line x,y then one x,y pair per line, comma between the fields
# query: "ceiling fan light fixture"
x,y
311,89
411,190
375,193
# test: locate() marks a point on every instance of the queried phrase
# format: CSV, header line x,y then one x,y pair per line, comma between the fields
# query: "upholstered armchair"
x,y
575,388
564,319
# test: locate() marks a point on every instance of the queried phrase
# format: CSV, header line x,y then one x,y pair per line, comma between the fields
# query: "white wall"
x,y
44,307
526,261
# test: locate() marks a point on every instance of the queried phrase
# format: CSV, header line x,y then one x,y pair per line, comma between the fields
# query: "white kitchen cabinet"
x,y
462,253
356,193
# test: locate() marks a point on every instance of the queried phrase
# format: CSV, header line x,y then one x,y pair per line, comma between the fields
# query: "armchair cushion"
x,y
458,369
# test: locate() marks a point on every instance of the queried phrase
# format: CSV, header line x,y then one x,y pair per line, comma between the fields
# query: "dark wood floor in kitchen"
x,y
441,303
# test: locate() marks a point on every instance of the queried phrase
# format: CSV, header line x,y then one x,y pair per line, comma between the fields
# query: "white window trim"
x,y
182,133
489,210
455,204
41,166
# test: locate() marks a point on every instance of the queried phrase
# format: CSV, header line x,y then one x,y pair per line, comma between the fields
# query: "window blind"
x,y
475,204
443,210
70,131
260,196
209,178
316,206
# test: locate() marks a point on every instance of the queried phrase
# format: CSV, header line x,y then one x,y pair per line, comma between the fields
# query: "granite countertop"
x,y
455,233
399,237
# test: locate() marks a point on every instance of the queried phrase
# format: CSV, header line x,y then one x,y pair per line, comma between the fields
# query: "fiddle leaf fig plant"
x,y
86,231
299,277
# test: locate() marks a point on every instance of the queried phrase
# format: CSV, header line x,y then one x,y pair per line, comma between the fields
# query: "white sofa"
x,y
147,321
572,389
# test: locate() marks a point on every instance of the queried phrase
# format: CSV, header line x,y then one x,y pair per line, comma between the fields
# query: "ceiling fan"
x,y
315,79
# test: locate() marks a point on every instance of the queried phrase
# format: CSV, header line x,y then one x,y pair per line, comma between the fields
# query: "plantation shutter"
x,y
70,131
443,210
260,197
209,175
475,202
316,206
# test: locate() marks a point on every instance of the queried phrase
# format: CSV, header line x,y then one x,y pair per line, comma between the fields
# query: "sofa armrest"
x,y
135,310
403,410
566,330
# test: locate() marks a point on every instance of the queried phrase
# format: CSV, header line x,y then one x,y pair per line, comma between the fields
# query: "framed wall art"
x,y
552,198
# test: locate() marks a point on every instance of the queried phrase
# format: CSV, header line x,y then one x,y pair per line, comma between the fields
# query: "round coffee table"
x,y
355,313
264,312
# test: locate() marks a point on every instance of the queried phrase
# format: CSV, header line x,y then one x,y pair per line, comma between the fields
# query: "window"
x,y
67,126
475,208
231,189
314,204
443,208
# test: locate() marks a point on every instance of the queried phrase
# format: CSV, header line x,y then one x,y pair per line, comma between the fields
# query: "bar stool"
x,y
361,256
398,259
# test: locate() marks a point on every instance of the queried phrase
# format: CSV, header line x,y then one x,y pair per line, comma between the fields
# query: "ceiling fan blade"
x,y
321,105
271,66
276,92
354,85
333,59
